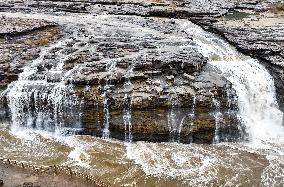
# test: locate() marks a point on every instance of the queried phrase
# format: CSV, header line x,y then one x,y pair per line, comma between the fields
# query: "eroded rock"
x,y
259,35
20,40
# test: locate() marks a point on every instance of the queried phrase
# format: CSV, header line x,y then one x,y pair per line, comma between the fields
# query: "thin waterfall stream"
x,y
130,163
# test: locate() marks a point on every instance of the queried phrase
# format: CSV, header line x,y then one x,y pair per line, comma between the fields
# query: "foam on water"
x,y
171,163
257,108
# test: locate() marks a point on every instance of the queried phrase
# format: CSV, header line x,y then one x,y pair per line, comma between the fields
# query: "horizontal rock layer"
x,y
19,44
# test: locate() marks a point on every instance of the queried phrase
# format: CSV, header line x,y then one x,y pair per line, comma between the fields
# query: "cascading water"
x,y
42,100
173,121
110,66
252,82
218,117
127,118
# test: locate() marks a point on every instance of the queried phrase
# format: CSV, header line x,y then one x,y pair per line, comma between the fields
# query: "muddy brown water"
x,y
149,164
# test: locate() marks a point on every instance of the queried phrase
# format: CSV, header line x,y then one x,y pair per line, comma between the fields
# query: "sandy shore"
x,y
11,176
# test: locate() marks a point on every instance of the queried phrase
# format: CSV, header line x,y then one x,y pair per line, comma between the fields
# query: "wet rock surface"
x,y
235,20
143,78
144,64
20,40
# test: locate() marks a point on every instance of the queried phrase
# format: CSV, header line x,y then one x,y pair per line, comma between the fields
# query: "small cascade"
x,y
173,116
106,132
128,87
253,84
127,118
218,118
41,99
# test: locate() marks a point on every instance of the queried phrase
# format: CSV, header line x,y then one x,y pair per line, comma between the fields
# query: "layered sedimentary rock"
x,y
156,84
137,74
139,78
260,35
19,42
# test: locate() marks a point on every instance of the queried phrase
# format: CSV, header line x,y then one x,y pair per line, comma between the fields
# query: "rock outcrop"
x,y
234,20
135,65
161,83
20,40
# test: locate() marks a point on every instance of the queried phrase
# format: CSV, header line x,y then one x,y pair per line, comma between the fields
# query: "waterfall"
x,y
127,113
127,119
218,118
43,97
254,85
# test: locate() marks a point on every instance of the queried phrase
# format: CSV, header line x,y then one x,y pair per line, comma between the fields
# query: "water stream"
x,y
254,85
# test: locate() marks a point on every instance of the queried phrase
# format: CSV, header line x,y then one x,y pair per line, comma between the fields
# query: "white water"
x,y
258,110
127,117
110,67
253,84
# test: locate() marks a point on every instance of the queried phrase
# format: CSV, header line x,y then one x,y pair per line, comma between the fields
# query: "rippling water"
x,y
151,164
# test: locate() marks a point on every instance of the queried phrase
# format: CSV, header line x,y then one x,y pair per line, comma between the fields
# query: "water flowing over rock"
x,y
43,101
257,102
265,41
20,39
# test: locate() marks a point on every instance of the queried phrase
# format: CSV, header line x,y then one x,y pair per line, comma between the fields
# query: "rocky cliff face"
x,y
154,79
20,40
139,73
